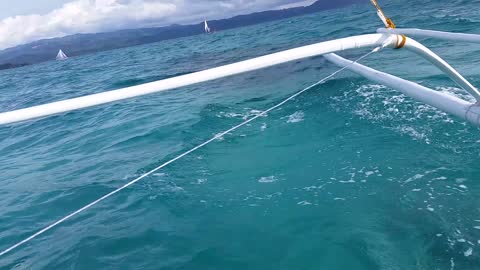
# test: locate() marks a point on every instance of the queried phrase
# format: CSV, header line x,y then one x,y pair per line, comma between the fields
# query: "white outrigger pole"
x,y
415,32
390,37
355,42
447,103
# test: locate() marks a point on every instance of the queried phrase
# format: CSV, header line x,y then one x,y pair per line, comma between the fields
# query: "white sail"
x,y
61,55
207,29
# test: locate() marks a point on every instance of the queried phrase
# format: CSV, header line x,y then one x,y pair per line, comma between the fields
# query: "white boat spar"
x,y
388,38
354,42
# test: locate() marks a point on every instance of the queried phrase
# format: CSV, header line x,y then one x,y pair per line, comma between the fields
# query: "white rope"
x,y
60,221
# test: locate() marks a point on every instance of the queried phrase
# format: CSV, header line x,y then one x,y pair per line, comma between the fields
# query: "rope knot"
x,y
401,43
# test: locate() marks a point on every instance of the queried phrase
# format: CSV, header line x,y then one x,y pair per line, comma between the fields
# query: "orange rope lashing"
x,y
387,21
401,43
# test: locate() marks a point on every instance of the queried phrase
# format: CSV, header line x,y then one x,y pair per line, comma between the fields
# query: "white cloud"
x,y
91,16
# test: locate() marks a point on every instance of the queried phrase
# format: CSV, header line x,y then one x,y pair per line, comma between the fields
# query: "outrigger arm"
x,y
322,48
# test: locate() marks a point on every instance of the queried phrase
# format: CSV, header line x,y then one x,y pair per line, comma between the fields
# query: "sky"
x,y
23,21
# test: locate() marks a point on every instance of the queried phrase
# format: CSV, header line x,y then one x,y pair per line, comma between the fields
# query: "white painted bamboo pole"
x,y
370,40
433,58
414,32
447,103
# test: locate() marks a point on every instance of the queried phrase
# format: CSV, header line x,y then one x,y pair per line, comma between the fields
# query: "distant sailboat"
x,y
61,56
207,29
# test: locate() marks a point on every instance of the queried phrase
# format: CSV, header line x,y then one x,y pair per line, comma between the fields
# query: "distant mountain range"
x,y
79,44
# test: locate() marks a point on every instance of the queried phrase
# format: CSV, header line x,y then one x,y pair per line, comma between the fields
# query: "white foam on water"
x,y
310,188
477,227
413,178
230,115
201,181
386,107
268,179
351,181
219,138
253,113
245,115
263,127
469,252
304,203
460,180
129,176
413,133
296,117
174,189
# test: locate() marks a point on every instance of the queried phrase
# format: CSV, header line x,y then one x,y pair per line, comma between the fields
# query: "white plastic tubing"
x,y
473,38
370,40
426,53
448,103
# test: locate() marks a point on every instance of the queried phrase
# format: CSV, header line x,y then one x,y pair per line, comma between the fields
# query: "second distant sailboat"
x,y
61,56
207,29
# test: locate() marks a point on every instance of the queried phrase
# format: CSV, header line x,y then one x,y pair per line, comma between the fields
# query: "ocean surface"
x,y
350,175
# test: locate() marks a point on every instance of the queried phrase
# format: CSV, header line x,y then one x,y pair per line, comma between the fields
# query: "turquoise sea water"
x,y
351,175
